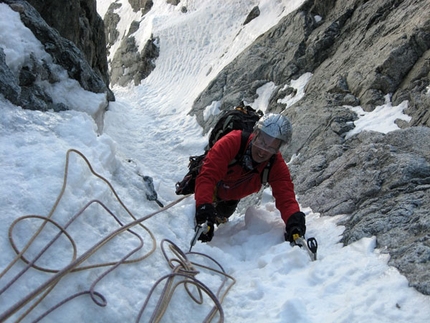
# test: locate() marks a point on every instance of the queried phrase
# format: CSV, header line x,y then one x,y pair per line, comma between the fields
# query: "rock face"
x,y
24,90
143,5
78,22
382,183
359,53
128,63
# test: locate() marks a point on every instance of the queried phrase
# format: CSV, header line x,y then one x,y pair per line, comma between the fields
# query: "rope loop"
x,y
32,263
184,271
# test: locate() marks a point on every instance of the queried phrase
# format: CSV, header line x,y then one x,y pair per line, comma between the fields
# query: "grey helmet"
x,y
276,126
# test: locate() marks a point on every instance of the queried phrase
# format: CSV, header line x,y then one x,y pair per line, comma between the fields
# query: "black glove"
x,y
205,212
207,236
295,225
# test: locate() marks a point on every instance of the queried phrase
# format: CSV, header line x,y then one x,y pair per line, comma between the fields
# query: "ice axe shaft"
x,y
311,245
200,228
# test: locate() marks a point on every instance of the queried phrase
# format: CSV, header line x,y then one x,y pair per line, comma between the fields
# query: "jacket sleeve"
x,y
215,166
283,188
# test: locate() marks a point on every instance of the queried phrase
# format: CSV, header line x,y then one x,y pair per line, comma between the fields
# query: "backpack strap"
x,y
225,126
266,171
243,140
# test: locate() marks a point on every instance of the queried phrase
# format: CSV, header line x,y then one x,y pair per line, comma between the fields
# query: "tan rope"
x,y
66,270
20,254
180,264
185,271
73,266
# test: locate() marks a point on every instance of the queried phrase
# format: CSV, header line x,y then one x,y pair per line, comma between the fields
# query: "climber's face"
x,y
264,146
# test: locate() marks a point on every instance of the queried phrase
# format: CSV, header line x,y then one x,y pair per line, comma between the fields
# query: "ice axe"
x,y
311,245
200,228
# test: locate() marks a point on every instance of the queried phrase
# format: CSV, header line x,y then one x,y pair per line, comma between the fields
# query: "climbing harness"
x,y
35,297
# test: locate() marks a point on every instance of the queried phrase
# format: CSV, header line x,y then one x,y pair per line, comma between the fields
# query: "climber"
x,y
221,184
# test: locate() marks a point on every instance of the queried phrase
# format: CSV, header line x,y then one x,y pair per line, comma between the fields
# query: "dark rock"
x,y
111,20
79,22
9,86
173,2
130,65
133,27
34,70
143,5
64,52
255,12
35,98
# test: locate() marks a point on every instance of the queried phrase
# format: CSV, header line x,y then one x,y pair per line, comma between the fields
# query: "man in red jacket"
x,y
220,184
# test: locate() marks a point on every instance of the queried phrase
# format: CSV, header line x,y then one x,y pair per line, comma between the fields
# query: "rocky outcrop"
x,y
143,5
9,86
24,88
111,20
336,42
79,22
128,63
382,183
255,12
360,53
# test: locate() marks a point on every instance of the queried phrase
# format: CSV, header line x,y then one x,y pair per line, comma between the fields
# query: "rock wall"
x,y
128,63
24,89
359,52
79,22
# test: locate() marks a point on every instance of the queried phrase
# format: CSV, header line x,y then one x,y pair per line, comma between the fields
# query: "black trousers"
x,y
226,208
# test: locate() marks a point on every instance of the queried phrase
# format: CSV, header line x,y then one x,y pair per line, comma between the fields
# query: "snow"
x,y
381,119
299,87
148,133
18,48
264,93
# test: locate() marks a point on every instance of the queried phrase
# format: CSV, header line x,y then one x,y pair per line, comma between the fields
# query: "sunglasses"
x,y
266,143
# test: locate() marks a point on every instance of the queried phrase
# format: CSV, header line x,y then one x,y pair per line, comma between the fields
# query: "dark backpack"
x,y
241,118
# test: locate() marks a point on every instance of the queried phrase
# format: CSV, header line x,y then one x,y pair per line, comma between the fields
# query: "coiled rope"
x,y
183,273
183,268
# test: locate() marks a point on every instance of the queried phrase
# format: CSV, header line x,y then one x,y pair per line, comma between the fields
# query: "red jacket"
x,y
235,182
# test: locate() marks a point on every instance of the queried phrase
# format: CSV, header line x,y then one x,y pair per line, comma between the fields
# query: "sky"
x,y
90,183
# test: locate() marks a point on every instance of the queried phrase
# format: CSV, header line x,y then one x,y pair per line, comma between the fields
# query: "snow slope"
x,y
148,133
